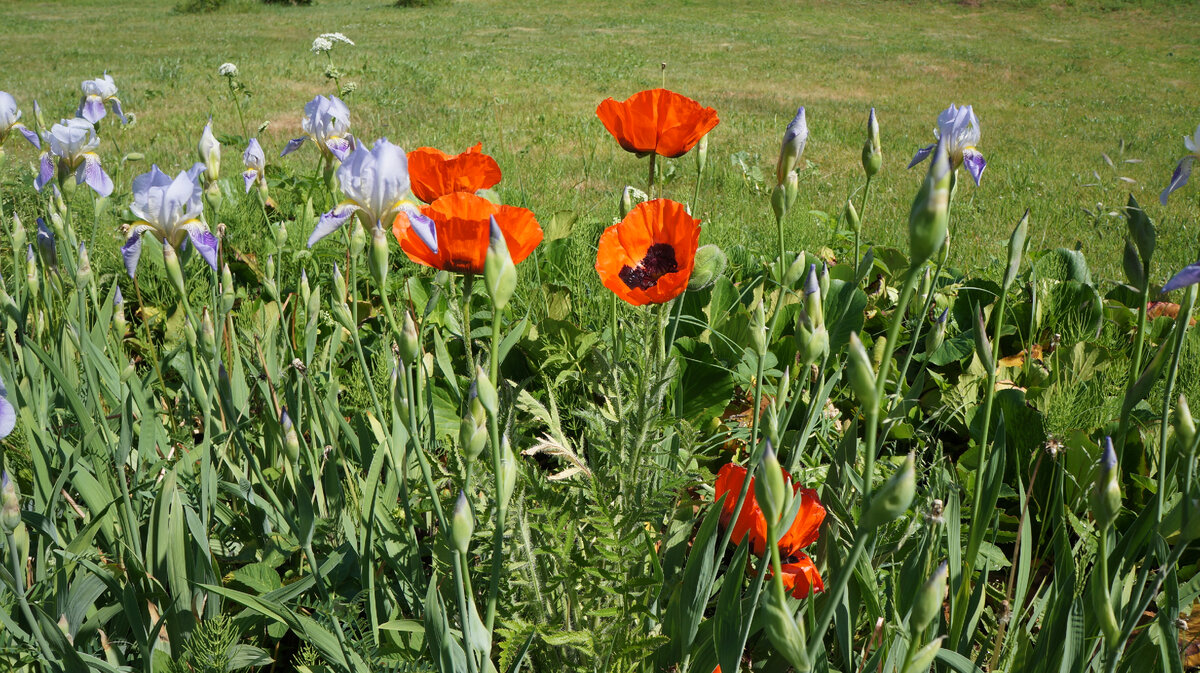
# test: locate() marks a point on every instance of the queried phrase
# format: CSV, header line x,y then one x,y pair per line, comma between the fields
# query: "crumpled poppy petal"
x,y
657,120
435,174
461,224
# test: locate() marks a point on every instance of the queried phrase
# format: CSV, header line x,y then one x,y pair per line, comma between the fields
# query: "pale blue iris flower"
x,y
326,123
170,210
959,127
1184,169
96,93
71,144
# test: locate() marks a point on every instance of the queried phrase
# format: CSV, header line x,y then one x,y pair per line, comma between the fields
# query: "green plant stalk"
x,y
916,335
1182,320
833,597
460,572
237,103
617,348
411,385
1135,365
872,414
650,177
862,210
501,504
465,308
19,586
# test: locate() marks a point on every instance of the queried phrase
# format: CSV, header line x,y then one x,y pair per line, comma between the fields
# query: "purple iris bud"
x,y
1108,459
1183,169
376,185
1189,275
959,128
812,283
45,242
941,320
72,143
171,210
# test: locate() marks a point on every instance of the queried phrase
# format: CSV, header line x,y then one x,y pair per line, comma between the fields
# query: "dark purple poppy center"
x,y
658,262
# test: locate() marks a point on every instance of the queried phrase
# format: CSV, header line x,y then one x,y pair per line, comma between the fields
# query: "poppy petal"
x,y
435,174
657,120
801,578
647,258
460,225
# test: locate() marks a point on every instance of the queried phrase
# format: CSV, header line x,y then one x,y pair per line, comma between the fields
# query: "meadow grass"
x,y
1056,89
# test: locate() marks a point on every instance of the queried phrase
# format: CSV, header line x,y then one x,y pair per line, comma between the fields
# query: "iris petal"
x,y
293,145
95,177
29,135
921,155
331,221
1179,178
92,109
205,242
1190,275
975,163
132,251
45,174
8,417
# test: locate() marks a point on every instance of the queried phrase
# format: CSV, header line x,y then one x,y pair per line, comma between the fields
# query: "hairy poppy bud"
x,y
1185,425
10,504
928,602
83,273
937,335
508,473
472,429
291,441
378,257
630,197
893,498
872,153
862,375
769,486
410,341
795,136
929,217
1106,491
709,265
499,272
174,269
208,335
462,524
486,391
852,218
701,154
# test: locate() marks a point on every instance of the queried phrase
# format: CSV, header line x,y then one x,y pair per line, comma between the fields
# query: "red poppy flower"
x,y
799,574
435,174
658,120
461,226
647,258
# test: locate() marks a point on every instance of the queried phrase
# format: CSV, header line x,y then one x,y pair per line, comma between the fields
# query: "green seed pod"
x,y
862,375
174,269
928,602
499,272
10,504
1185,425
486,391
872,153
410,340
377,258
1106,491
929,217
462,524
851,215
893,498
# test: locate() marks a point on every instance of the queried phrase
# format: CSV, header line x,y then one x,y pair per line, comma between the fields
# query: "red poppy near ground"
x,y
799,574
435,174
462,223
647,258
658,121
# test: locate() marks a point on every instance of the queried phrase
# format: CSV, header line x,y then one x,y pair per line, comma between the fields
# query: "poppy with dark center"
x,y
800,576
647,258
452,232
658,121
435,174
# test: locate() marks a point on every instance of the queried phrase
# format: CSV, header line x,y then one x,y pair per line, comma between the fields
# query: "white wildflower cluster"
x,y
228,70
337,37
321,45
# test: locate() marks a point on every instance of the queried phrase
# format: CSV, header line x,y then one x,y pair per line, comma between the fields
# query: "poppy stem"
x,y
465,304
650,177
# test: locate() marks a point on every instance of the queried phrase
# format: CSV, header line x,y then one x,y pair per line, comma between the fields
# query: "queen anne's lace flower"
x,y
228,70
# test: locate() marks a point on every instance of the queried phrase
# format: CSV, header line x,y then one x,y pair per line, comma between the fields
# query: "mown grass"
x,y
1055,87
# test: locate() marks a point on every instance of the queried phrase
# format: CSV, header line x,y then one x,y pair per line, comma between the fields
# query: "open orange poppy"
x,y
435,174
461,223
799,574
647,258
658,120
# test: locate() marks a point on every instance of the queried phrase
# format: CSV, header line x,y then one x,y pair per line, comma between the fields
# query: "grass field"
x,y
1055,88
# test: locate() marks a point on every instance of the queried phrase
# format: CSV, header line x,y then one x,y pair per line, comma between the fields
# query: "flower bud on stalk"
x,y
1016,248
208,335
791,190
929,217
795,136
120,325
358,238
19,237
701,155
212,196
823,279
794,271
923,658
878,351
472,430
499,272
758,330
1106,492
862,375
10,504
893,498
32,279
1135,273
462,524
271,290
630,197
410,341
872,154
937,335
928,602
281,235
174,269
378,257
769,487
813,305
1185,425
225,304
291,441
83,273
983,345
305,288
210,154
508,473
486,391
852,218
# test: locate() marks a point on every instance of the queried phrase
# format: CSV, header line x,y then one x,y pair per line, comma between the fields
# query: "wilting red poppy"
x,y
647,258
799,574
658,120
435,174
461,224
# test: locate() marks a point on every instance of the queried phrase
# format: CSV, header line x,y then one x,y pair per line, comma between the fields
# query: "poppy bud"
x,y
630,197
937,335
462,524
872,153
852,218
893,498
472,429
291,441
758,330
410,341
83,273
1016,247
928,602
701,154
174,268
862,375
499,272
358,238
378,257
794,138
1185,425
1106,492
769,486
210,153
779,202
227,297
508,473
10,504
269,287
709,265
208,338
486,391
983,345
929,217
878,350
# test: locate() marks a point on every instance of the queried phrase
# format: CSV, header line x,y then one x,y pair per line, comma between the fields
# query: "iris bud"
x,y
378,257
272,291
794,139
923,658
358,238
928,602
281,235
83,273
823,279
19,236
210,153
305,288
10,504
227,297
508,473
852,218
983,345
893,498
120,325
499,272
758,330
1016,247
812,297
791,190
1135,273
929,217
208,335
1185,425
937,335
862,375
462,524
212,196
291,441
1106,492
783,632
794,271
410,341
32,279
779,202
872,153
630,197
